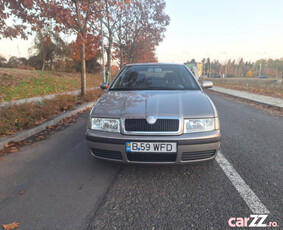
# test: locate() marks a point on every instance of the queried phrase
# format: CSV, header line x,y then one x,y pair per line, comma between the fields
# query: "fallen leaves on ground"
x,y
10,144
11,226
50,130
19,117
40,138
13,150
21,192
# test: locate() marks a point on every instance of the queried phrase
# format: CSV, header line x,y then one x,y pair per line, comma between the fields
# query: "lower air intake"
x,y
191,156
152,157
116,155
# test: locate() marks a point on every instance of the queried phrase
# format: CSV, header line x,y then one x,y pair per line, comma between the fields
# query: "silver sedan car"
x,y
154,113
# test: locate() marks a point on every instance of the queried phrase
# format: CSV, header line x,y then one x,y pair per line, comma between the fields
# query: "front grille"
x,y
190,156
116,155
152,157
161,125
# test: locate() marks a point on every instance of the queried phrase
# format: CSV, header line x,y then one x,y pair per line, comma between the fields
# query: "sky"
x,y
222,29
218,29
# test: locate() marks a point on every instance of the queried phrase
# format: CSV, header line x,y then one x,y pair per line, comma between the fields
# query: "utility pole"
x,y
259,69
226,68
209,68
102,46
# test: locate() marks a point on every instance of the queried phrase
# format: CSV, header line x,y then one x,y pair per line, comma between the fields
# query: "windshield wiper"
x,y
155,88
126,89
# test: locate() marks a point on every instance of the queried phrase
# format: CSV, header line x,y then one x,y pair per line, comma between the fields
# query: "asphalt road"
x,y
57,184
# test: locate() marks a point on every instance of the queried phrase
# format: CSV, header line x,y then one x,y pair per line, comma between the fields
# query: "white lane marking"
x,y
245,191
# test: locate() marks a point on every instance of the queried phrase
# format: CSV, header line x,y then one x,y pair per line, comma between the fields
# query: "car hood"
x,y
159,103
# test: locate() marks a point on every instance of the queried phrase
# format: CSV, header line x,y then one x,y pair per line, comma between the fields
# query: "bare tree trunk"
x,y
43,65
108,52
110,40
83,73
108,75
131,54
43,53
121,58
43,59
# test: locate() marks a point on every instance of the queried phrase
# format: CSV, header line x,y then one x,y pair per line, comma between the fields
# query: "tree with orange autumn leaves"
x,y
92,48
77,17
143,52
20,16
145,22
133,27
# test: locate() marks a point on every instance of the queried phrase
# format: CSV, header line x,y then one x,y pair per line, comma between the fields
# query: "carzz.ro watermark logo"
x,y
256,221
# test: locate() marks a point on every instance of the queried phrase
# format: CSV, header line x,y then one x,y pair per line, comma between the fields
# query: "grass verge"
x,y
266,87
19,84
19,117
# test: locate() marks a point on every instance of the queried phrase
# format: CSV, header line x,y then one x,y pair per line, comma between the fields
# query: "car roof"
x,y
153,63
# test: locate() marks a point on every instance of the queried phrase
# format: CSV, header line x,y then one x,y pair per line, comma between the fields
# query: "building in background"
x,y
195,67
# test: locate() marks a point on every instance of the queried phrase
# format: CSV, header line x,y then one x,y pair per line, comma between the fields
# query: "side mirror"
x,y
104,86
206,84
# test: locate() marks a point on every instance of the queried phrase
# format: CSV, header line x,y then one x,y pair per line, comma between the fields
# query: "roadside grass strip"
x,y
24,116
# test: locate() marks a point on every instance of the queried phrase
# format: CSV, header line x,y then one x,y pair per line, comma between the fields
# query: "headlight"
x,y
200,125
105,124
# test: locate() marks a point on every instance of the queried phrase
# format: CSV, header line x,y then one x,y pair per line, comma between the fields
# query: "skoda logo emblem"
x,y
151,120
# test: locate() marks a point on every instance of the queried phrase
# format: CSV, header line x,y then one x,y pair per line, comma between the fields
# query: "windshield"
x,y
155,77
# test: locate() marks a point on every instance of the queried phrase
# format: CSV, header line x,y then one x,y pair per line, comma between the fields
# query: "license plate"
x,y
151,147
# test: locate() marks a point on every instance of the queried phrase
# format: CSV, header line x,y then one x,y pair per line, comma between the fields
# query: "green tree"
x,y
2,61
35,61
48,46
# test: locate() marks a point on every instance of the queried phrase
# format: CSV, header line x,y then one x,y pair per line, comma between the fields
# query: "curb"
x,y
24,134
266,100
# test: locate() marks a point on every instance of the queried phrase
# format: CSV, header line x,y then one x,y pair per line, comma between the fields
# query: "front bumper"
x,y
192,147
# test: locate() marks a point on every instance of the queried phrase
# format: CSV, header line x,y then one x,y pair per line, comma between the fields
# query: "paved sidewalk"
x,y
41,98
277,102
